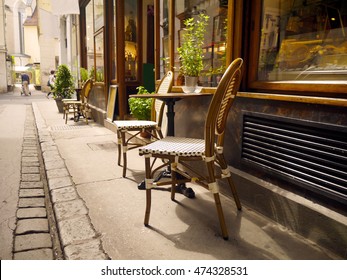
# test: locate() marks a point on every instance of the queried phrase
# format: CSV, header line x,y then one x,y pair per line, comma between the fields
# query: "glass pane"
x,y
74,51
303,40
115,39
130,17
90,36
164,35
98,14
99,57
214,48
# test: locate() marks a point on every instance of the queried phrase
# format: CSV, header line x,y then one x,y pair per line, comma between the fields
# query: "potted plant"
x,y
140,108
190,52
63,86
84,75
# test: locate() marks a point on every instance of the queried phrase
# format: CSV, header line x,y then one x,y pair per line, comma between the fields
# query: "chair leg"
x,y
221,216
224,165
64,110
148,191
66,113
119,144
124,148
212,180
173,181
234,192
86,112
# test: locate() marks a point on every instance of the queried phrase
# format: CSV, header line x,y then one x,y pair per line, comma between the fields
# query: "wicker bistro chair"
x,y
78,107
127,141
178,151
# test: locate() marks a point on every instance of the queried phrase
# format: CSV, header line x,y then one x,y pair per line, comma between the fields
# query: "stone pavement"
x,y
99,214
78,238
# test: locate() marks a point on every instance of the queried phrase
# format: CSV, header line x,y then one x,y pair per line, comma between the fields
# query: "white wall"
x,y
48,40
3,72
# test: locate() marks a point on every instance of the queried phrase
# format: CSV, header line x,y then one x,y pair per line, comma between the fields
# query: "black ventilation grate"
x,y
312,155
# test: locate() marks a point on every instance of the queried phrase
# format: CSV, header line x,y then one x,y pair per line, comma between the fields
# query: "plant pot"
x,y
60,105
191,83
145,134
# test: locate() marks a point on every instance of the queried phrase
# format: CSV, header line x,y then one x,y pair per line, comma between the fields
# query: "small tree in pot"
x,y
190,52
63,86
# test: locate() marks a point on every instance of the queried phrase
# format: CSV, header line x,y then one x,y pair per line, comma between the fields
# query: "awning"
x,y
65,7
19,55
21,68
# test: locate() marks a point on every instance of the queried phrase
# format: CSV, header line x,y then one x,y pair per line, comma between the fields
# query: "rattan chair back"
x,y
86,90
158,106
220,106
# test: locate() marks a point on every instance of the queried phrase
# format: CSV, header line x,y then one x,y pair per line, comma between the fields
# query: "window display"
x,y
130,35
214,48
303,40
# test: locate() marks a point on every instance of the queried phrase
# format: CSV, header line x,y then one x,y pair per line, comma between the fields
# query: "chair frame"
x,y
78,107
212,151
128,141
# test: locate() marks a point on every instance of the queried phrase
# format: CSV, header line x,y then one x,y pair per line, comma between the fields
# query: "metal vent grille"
x,y
312,155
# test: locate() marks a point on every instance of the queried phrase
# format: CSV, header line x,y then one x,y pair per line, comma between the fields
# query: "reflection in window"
x,y
130,33
90,36
164,35
99,57
214,48
115,39
303,40
98,14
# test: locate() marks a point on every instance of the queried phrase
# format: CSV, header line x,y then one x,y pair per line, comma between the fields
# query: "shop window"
x,y
300,42
98,14
214,49
131,40
114,64
99,57
164,34
90,36
95,39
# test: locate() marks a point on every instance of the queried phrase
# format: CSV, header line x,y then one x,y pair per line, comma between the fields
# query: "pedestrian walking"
x,y
50,83
25,84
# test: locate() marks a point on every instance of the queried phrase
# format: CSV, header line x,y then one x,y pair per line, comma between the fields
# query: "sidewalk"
x,y
100,214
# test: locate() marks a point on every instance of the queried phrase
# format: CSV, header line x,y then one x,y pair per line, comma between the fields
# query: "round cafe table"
x,y
170,100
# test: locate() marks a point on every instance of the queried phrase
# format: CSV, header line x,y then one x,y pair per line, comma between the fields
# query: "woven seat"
x,y
176,146
78,107
179,152
135,124
126,140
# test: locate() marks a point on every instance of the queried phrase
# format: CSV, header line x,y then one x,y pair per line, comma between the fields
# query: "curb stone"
x,y
78,237
33,239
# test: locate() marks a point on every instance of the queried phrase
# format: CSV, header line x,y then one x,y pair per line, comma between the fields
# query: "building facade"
x,y
31,41
287,132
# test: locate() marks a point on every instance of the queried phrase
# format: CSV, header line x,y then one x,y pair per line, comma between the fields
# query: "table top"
x,y
178,95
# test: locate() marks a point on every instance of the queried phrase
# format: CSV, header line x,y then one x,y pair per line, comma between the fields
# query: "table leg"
x,y
170,103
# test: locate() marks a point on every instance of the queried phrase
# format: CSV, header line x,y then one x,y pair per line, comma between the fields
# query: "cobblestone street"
x,y
35,235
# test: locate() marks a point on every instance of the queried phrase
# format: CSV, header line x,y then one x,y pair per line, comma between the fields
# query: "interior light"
x,y
333,18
